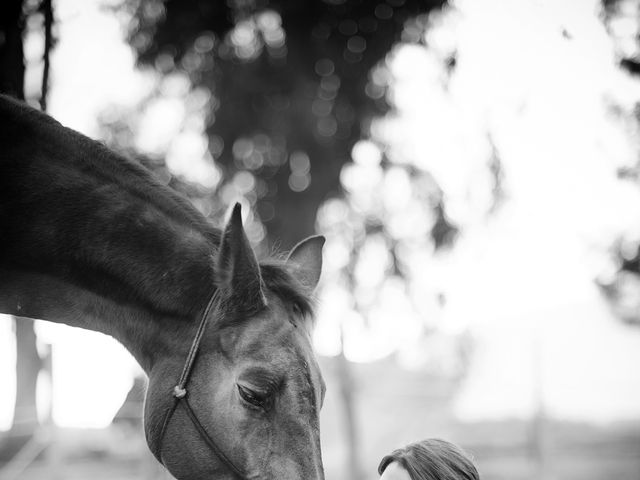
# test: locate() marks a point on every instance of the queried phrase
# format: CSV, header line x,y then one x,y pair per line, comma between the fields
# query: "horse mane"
x,y
130,175
108,167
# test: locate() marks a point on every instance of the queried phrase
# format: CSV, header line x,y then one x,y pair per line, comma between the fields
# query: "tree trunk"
x,y
28,363
11,51
353,464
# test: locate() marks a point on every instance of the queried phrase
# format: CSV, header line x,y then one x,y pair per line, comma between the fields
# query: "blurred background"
x,y
474,165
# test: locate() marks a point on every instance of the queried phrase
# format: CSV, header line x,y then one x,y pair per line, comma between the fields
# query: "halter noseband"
x,y
180,395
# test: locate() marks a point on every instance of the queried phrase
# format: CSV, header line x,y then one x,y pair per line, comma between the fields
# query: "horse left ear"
x,y
237,267
306,261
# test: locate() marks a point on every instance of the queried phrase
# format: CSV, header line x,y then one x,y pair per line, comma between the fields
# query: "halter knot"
x,y
179,392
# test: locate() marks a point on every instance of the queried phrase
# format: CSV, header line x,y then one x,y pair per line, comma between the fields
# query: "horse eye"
x,y
297,309
257,399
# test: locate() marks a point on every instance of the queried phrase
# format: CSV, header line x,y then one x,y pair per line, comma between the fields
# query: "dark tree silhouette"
x,y
287,76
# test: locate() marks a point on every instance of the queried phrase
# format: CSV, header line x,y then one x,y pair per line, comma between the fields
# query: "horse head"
x,y
252,398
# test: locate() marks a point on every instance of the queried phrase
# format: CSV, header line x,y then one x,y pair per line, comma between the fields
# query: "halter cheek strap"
x,y
180,396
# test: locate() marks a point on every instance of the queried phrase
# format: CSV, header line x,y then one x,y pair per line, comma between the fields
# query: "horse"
x,y
91,239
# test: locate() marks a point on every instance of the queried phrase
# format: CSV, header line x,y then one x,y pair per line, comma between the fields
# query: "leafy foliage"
x,y
292,84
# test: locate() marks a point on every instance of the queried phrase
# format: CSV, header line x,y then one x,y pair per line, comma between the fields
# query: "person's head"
x,y
431,459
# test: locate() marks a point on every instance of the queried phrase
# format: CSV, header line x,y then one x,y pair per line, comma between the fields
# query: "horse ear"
x,y
237,267
306,261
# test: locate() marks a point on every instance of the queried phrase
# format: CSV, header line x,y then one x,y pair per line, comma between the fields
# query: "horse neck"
x,y
90,239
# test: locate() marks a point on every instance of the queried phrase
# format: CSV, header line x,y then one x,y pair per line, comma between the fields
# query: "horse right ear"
x,y
237,269
306,261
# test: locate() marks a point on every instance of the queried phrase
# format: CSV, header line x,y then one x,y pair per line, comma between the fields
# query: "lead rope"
x,y
180,394
180,390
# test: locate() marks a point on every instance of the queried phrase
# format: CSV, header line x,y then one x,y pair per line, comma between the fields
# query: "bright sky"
x,y
535,264
539,78
522,284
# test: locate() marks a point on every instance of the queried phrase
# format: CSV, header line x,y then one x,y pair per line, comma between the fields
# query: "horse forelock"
x,y
279,279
